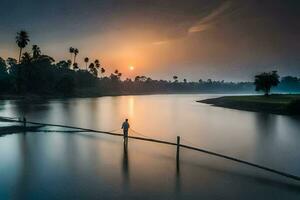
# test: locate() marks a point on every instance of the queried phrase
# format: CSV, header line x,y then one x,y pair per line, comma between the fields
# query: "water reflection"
x,y
125,166
89,166
266,132
25,164
177,181
266,123
131,107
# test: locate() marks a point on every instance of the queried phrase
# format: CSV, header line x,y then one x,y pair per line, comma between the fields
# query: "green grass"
x,y
277,104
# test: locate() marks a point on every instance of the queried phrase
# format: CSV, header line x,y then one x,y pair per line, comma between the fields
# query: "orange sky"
x,y
192,39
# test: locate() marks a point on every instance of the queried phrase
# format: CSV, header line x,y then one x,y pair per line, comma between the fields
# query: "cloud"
x,y
205,23
199,28
208,21
162,42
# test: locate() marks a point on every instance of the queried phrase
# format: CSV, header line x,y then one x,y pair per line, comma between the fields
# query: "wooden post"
x,y
177,152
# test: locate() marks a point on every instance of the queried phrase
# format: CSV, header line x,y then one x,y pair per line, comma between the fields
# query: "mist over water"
x,y
61,165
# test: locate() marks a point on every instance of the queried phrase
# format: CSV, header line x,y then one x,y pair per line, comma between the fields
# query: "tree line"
x,y
37,73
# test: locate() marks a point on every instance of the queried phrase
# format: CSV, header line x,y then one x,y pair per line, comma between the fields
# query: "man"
x,y
125,127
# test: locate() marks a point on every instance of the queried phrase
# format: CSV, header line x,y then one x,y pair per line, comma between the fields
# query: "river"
x,y
60,165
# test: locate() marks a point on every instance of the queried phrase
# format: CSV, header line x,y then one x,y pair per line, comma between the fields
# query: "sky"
x,y
228,40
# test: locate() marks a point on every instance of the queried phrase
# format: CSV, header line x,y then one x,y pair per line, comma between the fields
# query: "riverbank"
x,y
285,104
92,94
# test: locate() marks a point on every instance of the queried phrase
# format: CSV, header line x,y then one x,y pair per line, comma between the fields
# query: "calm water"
x,y
57,165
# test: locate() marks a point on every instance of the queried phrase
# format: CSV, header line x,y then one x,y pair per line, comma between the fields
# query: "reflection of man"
x,y
125,127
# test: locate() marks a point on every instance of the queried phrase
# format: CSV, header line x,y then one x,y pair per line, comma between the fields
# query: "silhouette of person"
x,y
125,127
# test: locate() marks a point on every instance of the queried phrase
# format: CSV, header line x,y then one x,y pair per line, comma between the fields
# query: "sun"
x,y
131,67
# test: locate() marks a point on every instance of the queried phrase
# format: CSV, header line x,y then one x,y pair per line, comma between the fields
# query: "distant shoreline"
x,y
284,104
79,95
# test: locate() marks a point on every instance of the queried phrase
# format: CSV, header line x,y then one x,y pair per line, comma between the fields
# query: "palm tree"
x,y
71,51
93,69
97,64
86,60
69,63
36,51
76,51
102,70
26,58
75,66
91,66
175,78
22,40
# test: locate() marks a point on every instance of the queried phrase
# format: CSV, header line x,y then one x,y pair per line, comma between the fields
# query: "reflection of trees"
x,y
265,132
265,124
25,168
24,107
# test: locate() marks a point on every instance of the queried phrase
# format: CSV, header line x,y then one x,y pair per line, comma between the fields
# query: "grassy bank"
x,y
276,104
